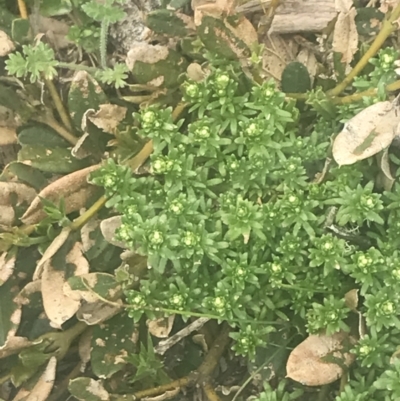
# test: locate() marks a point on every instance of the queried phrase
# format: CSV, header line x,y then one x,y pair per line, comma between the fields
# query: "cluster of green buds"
x,y
328,316
359,205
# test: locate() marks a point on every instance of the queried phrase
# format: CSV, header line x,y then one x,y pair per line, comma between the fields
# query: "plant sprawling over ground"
x,y
185,190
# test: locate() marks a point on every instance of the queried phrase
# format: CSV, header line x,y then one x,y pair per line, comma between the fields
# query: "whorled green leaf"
x,y
25,174
295,78
51,160
85,93
87,389
8,308
112,341
41,134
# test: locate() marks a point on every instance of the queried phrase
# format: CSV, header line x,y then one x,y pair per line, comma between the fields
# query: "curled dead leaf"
x,y
310,362
58,306
345,36
57,243
147,53
73,187
44,385
13,194
161,327
6,44
7,264
351,299
13,345
108,228
108,117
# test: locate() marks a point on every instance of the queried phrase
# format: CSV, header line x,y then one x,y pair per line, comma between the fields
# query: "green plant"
x,y
234,229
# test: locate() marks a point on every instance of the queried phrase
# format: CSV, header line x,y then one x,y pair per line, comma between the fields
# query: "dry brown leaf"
x,y
23,297
278,52
56,31
13,345
387,5
307,57
351,299
73,187
7,264
369,132
51,250
8,136
6,44
97,312
85,347
306,363
13,192
96,389
167,395
147,53
108,228
195,72
295,15
9,189
345,35
86,231
58,306
9,122
161,327
343,6
108,117
386,178
44,385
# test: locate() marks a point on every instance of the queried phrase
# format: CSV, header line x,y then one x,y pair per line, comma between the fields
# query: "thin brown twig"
x,y
22,9
201,376
58,104
210,392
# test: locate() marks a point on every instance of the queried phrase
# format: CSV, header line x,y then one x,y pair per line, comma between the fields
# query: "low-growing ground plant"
x,y
224,200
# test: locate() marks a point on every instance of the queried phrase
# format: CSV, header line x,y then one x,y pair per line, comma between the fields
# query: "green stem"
x,y
387,28
171,311
77,67
103,42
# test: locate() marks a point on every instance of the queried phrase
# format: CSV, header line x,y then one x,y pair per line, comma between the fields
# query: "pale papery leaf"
x,y
161,327
73,188
146,53
108,228
58,306
42,388
7,264
343,6
307,363
351,299
8,136
369,132
6,44
97,312
13,345
85,347
167,395
108,117
50,251
345,35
